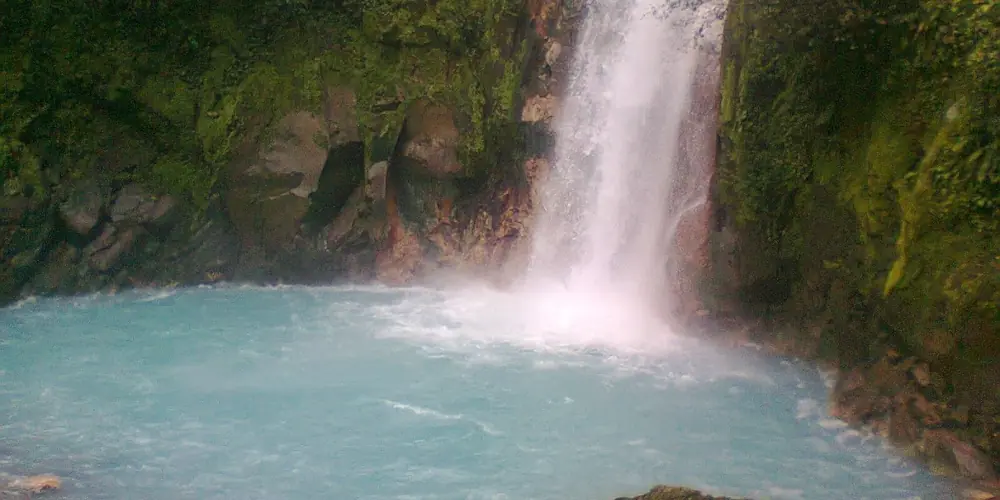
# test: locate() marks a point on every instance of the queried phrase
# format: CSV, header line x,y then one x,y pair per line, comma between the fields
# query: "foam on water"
x,y
366,392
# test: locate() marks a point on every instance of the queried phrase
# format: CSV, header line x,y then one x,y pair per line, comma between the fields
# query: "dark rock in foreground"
x,y
17,488
674,493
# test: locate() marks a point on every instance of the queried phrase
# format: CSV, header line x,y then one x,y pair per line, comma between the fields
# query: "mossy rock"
x,y
430,138
674,493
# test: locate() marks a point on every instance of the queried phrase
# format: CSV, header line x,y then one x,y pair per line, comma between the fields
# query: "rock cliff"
x,y
856,209
298,143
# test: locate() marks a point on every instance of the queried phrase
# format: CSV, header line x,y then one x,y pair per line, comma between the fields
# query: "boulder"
x,y
901,427
269,222
430,138
854,399
539,109
974,494
922,374
544,14
346,221
135,205
111,245
420,185
375,189
945,449
892,397
552,52
674,493
82,209
284,191
300,147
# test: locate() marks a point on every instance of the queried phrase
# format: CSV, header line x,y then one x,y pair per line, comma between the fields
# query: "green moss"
x,y
894,108
182,178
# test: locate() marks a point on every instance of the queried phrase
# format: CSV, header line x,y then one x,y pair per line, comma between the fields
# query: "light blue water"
x,y
297,393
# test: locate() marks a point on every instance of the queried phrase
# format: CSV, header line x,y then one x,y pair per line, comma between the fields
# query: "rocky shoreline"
x,y
25,488
839,242
896,398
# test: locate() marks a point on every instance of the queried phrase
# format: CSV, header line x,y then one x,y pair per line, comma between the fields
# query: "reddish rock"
x,y
924,410
398,260
945,448
922,374
902,428
539,109
431,138
696,168
542,13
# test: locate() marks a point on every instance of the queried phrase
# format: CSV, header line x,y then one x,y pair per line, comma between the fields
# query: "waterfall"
x,y
623,177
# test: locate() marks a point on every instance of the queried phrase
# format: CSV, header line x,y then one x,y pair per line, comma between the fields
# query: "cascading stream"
x,y
618,187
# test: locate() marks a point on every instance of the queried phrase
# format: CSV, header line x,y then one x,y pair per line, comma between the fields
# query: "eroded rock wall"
x,y
280,151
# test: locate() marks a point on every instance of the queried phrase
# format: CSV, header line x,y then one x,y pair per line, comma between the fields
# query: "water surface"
x,y
301,393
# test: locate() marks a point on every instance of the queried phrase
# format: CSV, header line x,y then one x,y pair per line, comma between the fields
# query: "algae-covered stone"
x,y
674,493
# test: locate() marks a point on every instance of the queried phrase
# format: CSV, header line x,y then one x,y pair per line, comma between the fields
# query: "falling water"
x,y
622,179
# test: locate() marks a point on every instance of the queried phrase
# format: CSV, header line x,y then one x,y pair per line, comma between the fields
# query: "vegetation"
x,y
895,108
888,112
164,92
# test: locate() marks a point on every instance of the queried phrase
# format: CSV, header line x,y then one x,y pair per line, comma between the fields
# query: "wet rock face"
x,y
90,239
108,249
894,395
268,200
25,233
431,222
136,206
311,197
82,209
823,259
284,195
299,149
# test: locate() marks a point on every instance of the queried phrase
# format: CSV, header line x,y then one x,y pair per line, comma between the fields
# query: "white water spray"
x,y
611,205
